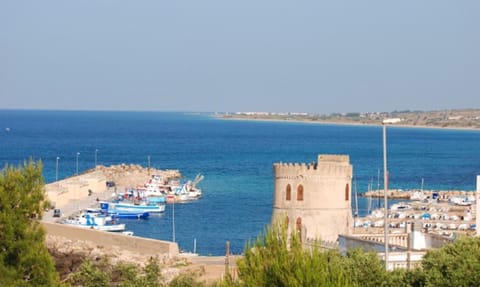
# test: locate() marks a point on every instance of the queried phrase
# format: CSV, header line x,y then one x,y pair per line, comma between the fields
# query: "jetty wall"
x,y
62,192
131,243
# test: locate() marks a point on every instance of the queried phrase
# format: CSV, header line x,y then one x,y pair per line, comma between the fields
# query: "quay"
x,y
83,191
71,195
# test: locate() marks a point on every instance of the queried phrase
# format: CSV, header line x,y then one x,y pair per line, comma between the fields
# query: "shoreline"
x,y
340,123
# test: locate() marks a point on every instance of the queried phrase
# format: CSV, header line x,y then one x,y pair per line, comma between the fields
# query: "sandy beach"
x,y
343,123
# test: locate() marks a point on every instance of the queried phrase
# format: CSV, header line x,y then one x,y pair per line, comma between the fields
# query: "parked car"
x,y
57,212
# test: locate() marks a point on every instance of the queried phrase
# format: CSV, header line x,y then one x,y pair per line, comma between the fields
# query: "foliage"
x,y
406,278
278,259
24,257
364,269
102,273
458,262
89,275
186,280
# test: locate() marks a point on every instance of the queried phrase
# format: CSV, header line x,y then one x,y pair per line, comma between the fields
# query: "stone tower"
x,y
315,198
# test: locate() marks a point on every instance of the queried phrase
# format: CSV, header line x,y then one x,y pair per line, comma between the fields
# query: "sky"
x,y
226,56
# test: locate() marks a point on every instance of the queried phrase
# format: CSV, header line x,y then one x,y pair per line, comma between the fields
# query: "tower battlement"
x,y
315,197
327,165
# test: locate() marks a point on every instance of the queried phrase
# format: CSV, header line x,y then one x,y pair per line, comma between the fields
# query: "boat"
x,y
91,221
135,208
418,195
463,200
113,212
156,199
401,206
128,215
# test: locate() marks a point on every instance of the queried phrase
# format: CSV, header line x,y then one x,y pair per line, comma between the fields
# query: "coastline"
x,y
341,123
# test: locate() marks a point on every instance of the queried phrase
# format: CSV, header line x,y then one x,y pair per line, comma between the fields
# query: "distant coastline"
x,y
451,119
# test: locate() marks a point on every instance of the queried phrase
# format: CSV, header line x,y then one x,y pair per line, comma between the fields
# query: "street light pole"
x,y
385,186
56,170
385,182
78,153
96,151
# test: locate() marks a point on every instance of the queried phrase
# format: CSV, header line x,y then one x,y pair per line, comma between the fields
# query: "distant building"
x,y
315,198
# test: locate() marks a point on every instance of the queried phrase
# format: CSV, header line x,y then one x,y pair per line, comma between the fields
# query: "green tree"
x,y
277,258
24,257
364,268
457,263
89,275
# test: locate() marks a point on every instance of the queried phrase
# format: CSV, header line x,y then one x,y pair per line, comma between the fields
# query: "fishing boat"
x,y
156,199
123,207
114,213
92,221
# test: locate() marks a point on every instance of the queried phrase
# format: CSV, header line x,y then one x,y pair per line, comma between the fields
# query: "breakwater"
x,y
417,194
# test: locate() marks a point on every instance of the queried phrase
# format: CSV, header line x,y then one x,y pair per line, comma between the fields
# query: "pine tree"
x,y
277,258
24,257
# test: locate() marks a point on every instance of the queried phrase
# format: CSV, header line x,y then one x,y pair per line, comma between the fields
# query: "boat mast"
x,y
356,197
378,188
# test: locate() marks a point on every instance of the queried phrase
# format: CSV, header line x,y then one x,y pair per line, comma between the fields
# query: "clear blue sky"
x,y
299,56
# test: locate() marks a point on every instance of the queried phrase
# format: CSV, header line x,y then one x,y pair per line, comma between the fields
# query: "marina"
x,y
109,212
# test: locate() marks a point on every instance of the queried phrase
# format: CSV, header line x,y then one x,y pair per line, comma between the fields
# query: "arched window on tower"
x,y
289,192
298,227
300,193
347,192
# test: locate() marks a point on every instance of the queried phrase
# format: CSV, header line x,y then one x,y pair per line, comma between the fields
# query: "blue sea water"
x,y
236,158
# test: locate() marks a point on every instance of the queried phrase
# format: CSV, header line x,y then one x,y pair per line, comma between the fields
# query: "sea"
x,y
236,158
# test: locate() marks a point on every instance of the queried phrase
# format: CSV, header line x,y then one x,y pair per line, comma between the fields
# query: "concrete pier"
x,y
80,192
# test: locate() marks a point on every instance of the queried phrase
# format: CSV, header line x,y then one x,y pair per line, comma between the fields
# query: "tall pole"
x,y
148,159
173,219
77,161
96,151
385,186
56,170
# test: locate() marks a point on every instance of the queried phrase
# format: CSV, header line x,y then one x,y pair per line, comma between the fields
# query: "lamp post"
x,y
56,170
385,184
96,151
148,159
173,219
385,187
78,153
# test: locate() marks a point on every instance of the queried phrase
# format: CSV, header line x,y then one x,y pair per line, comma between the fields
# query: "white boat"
x,y
401,206
131,207
463,200
90,221
158,187
418,195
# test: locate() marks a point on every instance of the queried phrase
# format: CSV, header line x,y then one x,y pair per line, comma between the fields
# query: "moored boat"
x,y
105,208
136,208
92,221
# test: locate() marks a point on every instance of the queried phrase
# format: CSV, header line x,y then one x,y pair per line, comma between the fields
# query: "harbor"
x,y
101,197
76,195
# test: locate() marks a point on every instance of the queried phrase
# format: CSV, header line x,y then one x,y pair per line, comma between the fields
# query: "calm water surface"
x,y
236,159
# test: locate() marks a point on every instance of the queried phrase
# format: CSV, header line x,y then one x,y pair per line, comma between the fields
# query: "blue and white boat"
x,y
156,200
134,208
92,221
107,210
